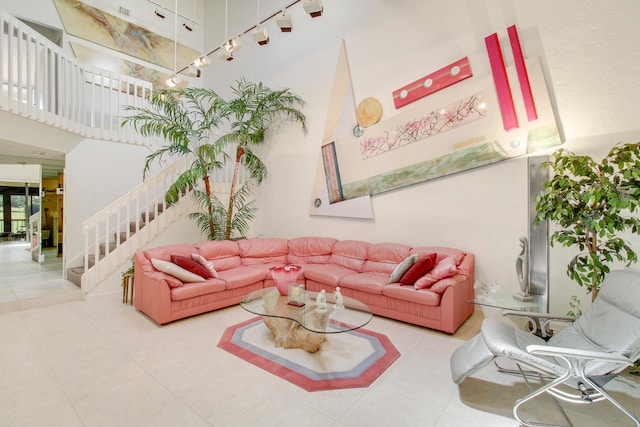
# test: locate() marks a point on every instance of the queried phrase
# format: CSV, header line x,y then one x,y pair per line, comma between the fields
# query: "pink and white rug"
x,y
350,359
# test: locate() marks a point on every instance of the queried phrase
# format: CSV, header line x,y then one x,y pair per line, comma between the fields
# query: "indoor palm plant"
x,y
191,121
593,204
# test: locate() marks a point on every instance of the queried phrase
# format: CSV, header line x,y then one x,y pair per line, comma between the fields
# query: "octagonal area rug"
x,y
351,359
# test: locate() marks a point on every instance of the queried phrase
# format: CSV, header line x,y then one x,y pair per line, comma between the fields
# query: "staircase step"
x,y
152,214
132,226
74,275
112,246
92,259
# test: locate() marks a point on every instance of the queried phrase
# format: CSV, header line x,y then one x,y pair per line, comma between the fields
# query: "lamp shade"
x,y
260,35
285,22
312,7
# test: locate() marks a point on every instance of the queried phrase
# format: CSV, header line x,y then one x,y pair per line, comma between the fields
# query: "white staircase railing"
x,y
112,235
41,81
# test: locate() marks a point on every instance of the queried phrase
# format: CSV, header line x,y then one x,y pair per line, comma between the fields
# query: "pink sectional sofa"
x,y
361,269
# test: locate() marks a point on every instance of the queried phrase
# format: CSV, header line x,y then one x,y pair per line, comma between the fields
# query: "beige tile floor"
x,y
99,362
25,283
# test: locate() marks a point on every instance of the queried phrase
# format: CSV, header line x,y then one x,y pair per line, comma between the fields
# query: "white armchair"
x,y
584,356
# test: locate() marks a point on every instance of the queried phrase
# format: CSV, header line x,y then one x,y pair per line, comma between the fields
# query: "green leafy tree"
x,y
185,119
593,203
188,118
252,111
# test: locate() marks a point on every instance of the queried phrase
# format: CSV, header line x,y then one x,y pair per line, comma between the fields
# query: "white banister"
x,y
113,234
41,81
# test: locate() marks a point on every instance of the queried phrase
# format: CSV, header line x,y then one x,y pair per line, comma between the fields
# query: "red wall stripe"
x,y
523,76
505,99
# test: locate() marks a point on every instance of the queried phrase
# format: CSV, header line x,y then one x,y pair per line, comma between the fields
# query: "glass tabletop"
x,y
269,302
506,301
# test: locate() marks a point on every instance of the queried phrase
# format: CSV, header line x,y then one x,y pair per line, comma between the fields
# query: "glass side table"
x,y
504,300
528,315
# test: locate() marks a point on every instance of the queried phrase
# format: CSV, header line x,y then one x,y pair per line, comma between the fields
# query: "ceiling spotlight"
x,y
226,52
186,27
194,71
160,14
312,7
285,22
174,81
203,61
236,43
260,35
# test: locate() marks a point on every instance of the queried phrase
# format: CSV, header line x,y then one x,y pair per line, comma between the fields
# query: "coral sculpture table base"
x,y
290,334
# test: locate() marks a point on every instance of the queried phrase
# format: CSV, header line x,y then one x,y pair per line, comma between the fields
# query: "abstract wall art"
x,y
425,124
438,80
478,122
94,25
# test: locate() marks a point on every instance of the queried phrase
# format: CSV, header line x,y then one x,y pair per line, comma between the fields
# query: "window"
x,y
19,217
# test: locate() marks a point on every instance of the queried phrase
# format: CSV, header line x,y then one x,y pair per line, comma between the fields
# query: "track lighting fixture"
x,y
160,14
201,62
260,35
194,71
226,51
236,43
285,22
313,7
174,81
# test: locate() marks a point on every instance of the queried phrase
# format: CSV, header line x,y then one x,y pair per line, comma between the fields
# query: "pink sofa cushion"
x,y
165,252
310,250
350,254
367,282
191,290
441,285
259,250
205,263
225,254
442,252
176,271
326,273
190,265
442,270
242,276
420,268
407,293
384,257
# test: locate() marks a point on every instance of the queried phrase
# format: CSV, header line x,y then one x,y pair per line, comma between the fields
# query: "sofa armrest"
x,y
456,302
152,293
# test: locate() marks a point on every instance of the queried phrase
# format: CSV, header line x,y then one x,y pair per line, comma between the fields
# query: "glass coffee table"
x,y
305,327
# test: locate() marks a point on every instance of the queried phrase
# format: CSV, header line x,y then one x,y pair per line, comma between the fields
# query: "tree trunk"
x,y
207,190
234,183
593,249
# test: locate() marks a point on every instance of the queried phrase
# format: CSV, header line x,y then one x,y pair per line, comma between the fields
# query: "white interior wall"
x,y
20,173
96,174
587,51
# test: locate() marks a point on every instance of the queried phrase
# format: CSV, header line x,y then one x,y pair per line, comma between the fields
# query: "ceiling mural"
x,y
88,55
94,25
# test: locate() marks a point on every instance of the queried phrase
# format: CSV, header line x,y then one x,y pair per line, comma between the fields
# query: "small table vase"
x,y
283,276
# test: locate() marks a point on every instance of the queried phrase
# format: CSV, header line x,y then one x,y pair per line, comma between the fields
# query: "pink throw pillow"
x,y
420,268
445,268
207,264
192,266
